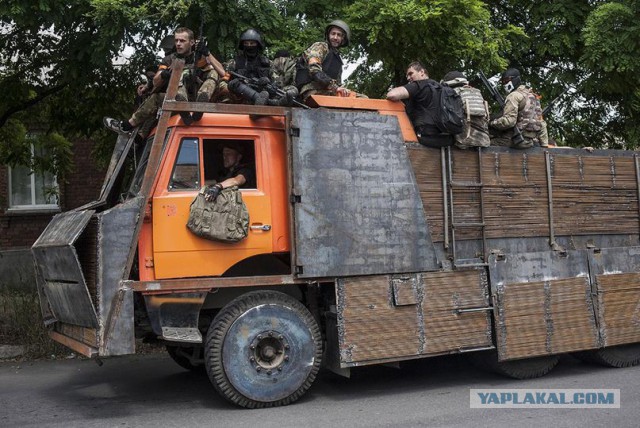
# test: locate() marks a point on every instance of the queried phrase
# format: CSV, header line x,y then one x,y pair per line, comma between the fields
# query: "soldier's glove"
x,y
165,74
263,81
202,48
212,192
322,78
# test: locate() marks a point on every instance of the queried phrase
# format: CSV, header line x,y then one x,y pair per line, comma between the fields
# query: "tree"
x,y
444,35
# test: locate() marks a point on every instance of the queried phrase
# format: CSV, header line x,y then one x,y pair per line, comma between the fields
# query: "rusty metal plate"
x,y
358,210
63,281
543,304
405,289
115,306
617,286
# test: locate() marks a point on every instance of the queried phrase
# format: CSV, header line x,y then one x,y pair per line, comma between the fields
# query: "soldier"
x,y
323,74
200,77
236,173
250,63
476,110
521,109
283,76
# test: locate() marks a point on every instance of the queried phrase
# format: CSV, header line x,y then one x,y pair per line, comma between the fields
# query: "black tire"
x,y
528,368
263,349
613,356
183,356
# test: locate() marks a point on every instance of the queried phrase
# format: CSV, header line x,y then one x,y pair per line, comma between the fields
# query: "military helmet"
x,y
511,79
341,25
251,35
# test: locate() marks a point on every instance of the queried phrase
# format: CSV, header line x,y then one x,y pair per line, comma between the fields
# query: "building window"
x,y
32,190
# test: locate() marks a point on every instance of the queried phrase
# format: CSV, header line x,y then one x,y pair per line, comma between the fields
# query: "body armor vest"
x,y
530,117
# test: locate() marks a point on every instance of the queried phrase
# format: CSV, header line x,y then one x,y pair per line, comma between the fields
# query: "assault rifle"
x,y
517,137
272,89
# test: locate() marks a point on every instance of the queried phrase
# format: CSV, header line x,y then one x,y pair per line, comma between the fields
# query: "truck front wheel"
x,y
263,349
614,356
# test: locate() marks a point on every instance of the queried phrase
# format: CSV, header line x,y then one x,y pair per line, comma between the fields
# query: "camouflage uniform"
x,y
283,72
315,56
200,84
521,109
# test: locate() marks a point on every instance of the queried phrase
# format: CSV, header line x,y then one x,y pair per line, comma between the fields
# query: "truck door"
x,y
193,160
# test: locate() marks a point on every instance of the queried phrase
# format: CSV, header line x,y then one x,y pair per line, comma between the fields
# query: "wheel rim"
x,y
268,352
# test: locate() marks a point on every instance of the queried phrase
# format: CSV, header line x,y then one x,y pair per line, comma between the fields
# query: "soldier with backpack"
x,y
476,112
435,110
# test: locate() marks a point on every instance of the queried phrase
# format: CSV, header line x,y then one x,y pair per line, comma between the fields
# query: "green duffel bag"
x,y
226,219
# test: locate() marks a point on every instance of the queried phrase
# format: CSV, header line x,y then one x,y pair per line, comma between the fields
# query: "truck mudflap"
x,y
81,260
357,206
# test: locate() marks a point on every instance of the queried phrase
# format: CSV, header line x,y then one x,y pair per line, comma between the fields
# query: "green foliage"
x,y
21,323
444,35
62,66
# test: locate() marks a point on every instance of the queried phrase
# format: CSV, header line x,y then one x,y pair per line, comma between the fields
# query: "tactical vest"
x,y
476,127
256,67
332,65
226,219
530,117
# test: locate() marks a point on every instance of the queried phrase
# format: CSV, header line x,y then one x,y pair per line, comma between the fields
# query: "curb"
x,y
11,351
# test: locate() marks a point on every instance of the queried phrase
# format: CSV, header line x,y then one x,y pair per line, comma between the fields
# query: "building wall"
x,y
19,230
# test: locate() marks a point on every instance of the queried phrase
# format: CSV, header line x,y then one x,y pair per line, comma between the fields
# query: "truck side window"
x,y
186,171
215,169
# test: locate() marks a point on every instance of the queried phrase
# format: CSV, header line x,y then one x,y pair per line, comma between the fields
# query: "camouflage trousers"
x,y
205,90
148,109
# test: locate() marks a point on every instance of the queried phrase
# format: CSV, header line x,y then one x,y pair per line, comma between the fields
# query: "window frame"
x,y
32,177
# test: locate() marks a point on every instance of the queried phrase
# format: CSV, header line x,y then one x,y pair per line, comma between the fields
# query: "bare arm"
x,y
238,180
397,94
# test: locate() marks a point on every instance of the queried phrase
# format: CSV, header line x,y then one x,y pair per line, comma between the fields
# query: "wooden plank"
x,y
619,307
544,318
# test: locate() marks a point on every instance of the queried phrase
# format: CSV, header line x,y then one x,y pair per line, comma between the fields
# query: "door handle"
x,y
263,227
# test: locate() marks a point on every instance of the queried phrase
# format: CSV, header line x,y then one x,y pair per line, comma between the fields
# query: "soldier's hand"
x,y
263,81
322,78
212,192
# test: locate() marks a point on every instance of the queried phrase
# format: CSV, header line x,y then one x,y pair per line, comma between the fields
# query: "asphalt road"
x,y
152,391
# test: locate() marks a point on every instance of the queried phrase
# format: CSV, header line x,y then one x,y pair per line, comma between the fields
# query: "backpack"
x,y
449,116
226,219
476,124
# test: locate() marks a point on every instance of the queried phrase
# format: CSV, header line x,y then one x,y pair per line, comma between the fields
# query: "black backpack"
x,y
450,116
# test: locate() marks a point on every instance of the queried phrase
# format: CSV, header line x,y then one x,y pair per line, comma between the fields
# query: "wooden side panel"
x,y
427,168
594,195
370,326
88,336
375,326
446,293
515,194
619,308
546,317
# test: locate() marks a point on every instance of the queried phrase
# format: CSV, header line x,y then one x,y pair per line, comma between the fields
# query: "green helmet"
x,y
341,25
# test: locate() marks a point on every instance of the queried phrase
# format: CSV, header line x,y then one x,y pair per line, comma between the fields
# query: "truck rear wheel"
x,y
528,368
263,350
613,356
